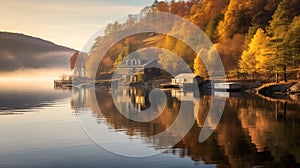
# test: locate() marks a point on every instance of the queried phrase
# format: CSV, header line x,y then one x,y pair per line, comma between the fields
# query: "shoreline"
x,y
276,91
271,91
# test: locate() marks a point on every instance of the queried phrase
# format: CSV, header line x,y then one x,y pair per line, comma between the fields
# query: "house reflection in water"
x,y
138,98
191,97
249,133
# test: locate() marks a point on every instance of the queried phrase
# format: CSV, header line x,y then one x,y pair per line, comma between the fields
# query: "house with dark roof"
x,y
138,70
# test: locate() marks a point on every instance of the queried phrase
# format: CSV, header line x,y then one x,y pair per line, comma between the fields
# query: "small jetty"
x,y
169,86
62,83
227,86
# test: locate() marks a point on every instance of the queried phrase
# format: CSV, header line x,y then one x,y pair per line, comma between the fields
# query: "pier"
x,y
62,83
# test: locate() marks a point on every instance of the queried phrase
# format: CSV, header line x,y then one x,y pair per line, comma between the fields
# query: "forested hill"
x,y
251,36
19,51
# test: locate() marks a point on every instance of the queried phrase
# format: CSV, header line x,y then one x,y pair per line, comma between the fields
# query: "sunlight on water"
x,y
50,134
30,79
25,84
37,121
25,94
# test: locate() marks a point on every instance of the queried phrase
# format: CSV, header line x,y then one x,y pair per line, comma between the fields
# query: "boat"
x,y
227,86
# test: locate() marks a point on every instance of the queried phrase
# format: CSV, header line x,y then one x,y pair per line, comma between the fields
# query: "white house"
x,y
186,79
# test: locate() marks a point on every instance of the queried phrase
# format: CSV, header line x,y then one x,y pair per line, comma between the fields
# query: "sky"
x,y
65,22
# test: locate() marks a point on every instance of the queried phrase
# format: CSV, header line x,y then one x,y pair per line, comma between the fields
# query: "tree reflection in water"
x,y
253,131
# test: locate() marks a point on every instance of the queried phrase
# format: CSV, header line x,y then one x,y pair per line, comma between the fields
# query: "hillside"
x,y
19,51
255,39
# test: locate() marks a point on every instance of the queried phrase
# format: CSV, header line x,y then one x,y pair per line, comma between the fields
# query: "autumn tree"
x,y
185,52
201,12
259,20
236,18
119,59
199,67
73,60
170,42
172,62
78,63
230,51
232,29
163,6
252,60
111,28
211,29
179,8
130,46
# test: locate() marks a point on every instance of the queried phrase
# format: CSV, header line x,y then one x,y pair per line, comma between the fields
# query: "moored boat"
x,y
227,86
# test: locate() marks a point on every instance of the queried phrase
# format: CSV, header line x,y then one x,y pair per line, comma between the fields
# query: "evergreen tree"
x,y
277,30
292,42
280,19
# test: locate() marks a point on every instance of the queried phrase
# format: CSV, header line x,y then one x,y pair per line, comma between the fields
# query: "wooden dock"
x,y
62,83
227,86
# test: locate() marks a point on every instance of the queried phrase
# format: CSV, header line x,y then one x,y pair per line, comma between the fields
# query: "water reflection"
x,y
252,132
17,96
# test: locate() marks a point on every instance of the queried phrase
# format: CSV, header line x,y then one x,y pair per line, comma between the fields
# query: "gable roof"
x,y
186,75
143,63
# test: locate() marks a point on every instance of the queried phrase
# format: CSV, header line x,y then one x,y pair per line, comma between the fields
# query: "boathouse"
x,y
187,79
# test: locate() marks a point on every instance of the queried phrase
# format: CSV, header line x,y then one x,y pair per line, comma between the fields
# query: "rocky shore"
x,y
282,90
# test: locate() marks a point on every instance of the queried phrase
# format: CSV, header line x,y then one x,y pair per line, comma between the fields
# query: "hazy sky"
x,y
66,22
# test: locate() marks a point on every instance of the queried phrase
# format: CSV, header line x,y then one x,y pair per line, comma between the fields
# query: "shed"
x,y
187,78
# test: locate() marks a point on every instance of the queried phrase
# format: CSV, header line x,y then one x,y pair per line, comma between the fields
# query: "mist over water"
x,y
28,74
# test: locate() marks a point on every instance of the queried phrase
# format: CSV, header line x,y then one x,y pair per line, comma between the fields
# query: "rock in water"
x,y
295,88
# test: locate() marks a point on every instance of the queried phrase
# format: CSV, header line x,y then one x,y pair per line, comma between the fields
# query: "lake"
x,y
46,127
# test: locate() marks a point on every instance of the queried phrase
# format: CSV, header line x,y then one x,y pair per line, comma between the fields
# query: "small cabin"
x,y
227,86
187,78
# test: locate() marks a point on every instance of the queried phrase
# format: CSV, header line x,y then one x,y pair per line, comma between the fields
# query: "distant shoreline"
x,y
271,90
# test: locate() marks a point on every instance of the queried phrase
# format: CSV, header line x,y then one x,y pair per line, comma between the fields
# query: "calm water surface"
x,y
40,128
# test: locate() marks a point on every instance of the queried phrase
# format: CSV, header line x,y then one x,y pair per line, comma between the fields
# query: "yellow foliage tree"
x,y
252,60
199,67
237,17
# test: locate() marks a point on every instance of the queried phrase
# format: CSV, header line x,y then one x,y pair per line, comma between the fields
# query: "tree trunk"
x,y
284,73
277,80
